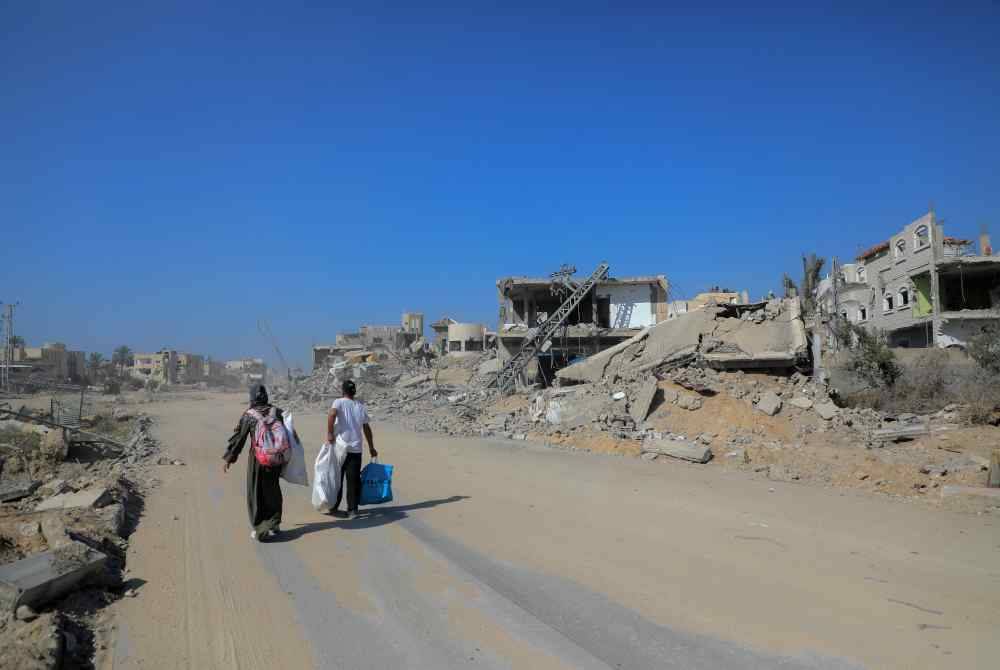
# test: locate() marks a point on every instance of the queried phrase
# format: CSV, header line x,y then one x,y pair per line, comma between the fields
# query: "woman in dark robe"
x,y
263,491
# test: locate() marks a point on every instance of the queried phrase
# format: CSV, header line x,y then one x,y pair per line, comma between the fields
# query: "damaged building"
x,y
762,336
611,313
920,287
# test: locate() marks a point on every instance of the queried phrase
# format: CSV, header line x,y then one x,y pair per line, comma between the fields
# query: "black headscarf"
x,y
258,396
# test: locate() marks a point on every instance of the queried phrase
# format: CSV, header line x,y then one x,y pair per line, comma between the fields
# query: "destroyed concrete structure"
x,y
767,335
248,370
440,328
609,314
160,366
922,288
466,339
715,296
52,359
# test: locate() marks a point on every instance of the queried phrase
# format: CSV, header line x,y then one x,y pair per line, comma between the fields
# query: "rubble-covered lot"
x,y
69,499
717,388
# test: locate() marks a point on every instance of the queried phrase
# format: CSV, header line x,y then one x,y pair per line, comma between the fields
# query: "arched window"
x,y
900,248
861,274
887,302
904,297
921,237
862,314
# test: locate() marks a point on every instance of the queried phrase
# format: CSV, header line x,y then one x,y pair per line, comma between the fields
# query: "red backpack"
x,y
270,441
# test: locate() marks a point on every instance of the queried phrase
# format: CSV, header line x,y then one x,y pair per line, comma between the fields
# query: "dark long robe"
x,y
263,491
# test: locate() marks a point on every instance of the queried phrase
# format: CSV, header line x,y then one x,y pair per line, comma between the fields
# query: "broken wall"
x,y
632,305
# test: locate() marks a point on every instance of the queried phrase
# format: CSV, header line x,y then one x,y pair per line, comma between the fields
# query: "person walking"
x,y
264,500
345,425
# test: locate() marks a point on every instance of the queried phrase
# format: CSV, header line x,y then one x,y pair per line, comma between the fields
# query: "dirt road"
x,y
510,556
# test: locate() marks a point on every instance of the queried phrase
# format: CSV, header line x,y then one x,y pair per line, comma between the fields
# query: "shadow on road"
x,y
369,517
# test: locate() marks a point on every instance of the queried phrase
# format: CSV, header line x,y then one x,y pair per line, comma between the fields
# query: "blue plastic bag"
x,y
376,484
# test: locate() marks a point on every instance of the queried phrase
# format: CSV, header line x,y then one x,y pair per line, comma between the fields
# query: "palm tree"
x,y
812,267
95,364
122,358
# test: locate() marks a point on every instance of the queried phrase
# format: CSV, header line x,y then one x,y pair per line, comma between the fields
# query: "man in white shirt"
x,y
346,423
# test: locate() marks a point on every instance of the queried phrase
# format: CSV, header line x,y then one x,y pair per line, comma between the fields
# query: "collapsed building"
x,y
763,336
920,287
371,338
610,312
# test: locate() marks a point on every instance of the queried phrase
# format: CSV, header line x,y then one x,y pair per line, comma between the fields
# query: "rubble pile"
x,y
69,499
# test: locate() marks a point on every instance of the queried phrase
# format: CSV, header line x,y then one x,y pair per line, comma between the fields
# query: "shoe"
x,y
352,515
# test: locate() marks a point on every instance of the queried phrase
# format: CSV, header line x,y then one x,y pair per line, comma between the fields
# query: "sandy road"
x,y
504,556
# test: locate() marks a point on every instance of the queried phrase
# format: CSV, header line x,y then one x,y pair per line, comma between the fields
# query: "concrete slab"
x,y
95,497
826,410
686,451
769,403
11,491
801,402
44,577
639,408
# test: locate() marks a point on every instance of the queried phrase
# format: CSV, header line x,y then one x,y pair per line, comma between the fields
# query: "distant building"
x,y
212,371
919,286
160,366
52,360
440,328
190,368
248,370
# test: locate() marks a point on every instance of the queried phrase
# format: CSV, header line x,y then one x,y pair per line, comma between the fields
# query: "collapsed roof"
x,y
763,335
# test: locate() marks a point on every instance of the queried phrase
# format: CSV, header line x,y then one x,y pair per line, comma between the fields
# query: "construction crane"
x,y
265,329
536,339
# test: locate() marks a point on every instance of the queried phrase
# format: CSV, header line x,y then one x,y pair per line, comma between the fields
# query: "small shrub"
x,y
984,349
980,395
871,359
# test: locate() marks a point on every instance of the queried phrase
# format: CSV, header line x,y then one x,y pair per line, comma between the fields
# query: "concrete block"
x,y
686,451
826,410
801,402
639,409
689,402
44,577
769,403
11,491
95,497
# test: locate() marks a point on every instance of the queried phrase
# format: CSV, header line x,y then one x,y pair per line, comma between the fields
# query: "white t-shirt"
x,y
351,416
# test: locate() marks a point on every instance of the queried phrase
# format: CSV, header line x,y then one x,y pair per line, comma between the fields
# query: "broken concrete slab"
x,y
902,432
413,381
826,410
686,451
801,402
640,405
769,403
722,336
94,497
689,402
44,577
11,491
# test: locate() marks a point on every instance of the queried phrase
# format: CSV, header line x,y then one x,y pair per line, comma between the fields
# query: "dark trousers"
x,y
351,474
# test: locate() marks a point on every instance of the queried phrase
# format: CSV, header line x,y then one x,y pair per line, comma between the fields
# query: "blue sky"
x,y
171,171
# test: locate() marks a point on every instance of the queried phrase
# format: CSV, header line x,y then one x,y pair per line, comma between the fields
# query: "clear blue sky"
x,y
170,171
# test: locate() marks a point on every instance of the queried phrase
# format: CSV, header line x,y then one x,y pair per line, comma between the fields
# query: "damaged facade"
x,y
612,312
920,287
